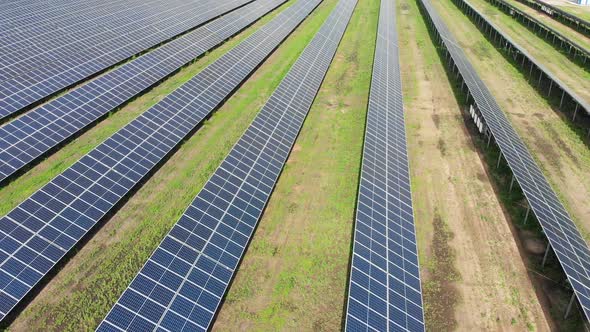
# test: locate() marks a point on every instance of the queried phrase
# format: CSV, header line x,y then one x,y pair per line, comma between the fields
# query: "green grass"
x,y
81,294
299,255
410,18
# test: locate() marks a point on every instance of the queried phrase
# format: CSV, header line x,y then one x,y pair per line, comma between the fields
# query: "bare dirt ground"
x,y
567,31
561,153
473,275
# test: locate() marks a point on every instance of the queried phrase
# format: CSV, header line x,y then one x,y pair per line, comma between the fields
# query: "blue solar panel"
x,y
182,284
41,230
41,18
564,237
27,75
384,290
34,134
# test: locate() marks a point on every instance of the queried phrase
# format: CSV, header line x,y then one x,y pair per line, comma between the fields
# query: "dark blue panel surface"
x,y
385,292
30,136
35,66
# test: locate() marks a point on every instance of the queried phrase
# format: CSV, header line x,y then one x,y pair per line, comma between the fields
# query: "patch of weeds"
x,y
440,295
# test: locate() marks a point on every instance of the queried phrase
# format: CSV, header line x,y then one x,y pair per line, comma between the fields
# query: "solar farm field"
x,y
300,165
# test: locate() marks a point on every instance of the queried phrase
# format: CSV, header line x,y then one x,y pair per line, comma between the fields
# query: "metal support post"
x,y
526,216
511,183
499,159
569,305
546,255
561,101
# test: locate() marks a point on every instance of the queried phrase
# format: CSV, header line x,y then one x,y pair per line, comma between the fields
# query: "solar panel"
x,y
35,133
30,74
33,47
182,284
384,291
565,239
36,18
41,230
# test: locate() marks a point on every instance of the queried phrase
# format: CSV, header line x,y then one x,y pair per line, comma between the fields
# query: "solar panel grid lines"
x,y
384,290
186,277
92,38
27,138
13,10
30,48
583,104
35,20
42,39
570,248
35,235
22,91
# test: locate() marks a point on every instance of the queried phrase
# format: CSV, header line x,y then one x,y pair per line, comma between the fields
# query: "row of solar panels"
x,y
196,261
563,235
31,136
182,284
491,28
41,230
43,66
560,14
384,290
31,21
17,11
